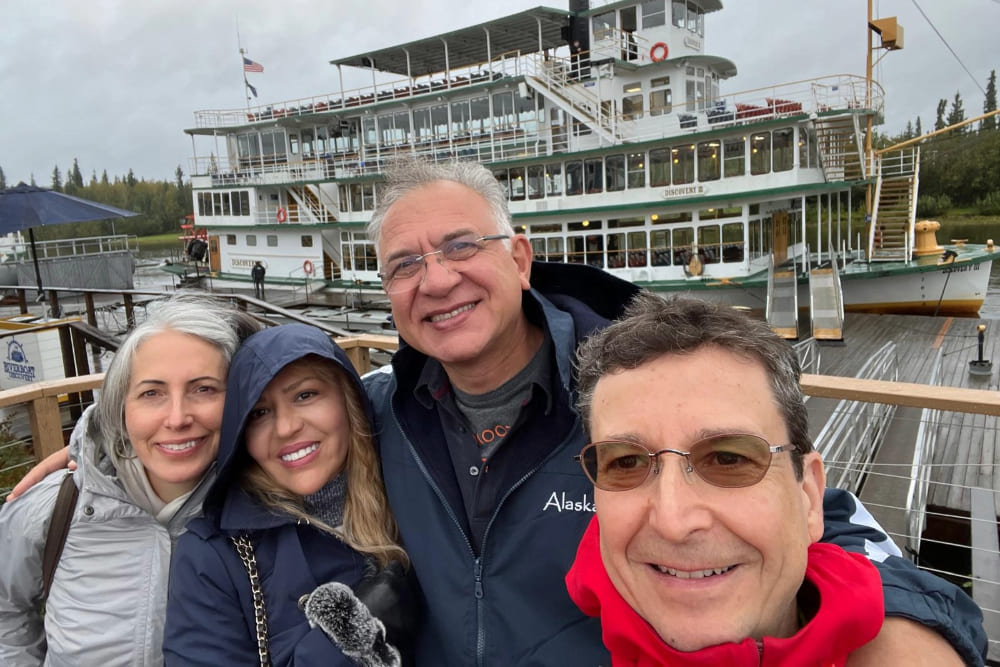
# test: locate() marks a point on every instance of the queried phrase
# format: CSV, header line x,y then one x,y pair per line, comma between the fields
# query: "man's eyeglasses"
x,y
732,460
406,273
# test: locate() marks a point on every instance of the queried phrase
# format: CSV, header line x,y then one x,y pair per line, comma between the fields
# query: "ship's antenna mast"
x,y
239,44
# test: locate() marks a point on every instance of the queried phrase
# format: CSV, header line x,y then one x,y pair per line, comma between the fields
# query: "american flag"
x,y
251,66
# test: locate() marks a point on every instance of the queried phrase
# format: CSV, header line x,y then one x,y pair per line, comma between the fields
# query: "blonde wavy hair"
x,y
369,526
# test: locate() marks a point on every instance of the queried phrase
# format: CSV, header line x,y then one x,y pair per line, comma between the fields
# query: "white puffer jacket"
x,y
109,593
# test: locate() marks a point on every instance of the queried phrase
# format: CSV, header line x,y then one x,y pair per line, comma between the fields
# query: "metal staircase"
x,y
894,207
554,80
310,207
841,147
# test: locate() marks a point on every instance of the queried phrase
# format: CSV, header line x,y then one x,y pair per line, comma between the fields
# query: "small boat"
x,y
620,146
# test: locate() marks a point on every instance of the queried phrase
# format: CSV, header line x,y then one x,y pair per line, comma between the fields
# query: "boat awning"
x,y
468,46
724,67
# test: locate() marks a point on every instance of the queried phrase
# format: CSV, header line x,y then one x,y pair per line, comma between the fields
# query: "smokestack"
x,y
578,27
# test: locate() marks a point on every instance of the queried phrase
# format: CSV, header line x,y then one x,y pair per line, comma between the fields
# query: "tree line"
x,y
959,169
161,204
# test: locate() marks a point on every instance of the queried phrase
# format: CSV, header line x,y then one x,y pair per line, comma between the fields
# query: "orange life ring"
x,y
282,214
658,52
307,266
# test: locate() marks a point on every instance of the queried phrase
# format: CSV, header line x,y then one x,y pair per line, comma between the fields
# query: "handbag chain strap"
x,y
244,547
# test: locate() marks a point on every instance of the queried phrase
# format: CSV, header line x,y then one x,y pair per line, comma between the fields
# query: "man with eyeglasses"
x,y
477,428
705,546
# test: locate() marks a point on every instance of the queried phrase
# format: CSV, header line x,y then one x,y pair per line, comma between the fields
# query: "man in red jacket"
x,y
709,497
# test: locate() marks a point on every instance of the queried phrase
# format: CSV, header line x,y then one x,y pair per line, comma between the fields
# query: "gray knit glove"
x,y
350,625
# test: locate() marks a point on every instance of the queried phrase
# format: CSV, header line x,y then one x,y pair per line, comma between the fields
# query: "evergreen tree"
x,y
908,132
939,123
33,184
991,103
957,113
56,178
104,178
93,178
75,176
918,130
3,180
130,179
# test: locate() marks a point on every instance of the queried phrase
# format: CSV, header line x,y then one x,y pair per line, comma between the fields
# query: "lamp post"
x,y
981,366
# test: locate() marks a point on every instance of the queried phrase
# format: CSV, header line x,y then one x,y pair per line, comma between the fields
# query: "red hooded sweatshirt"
x,y
850,615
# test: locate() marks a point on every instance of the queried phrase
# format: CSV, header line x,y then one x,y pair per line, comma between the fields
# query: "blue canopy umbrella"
x,y
25,207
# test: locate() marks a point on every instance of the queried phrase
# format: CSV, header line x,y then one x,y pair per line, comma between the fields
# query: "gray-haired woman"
x,y
145,454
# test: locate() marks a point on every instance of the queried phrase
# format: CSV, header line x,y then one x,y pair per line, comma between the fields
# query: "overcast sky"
x,y
114,83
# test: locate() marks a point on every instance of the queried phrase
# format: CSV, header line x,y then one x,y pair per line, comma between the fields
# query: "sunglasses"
x,y
732,460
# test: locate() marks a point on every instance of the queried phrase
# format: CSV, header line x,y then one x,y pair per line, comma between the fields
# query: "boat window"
x,y
660,102
604,26
783,149
307,142
548,228
575,250
536,185
632,87
502,179
760,153
293,143
679,13
619,223
734,156
768,234
683,245
517,183
555,249
364,257
273,146
695,18
461,119
553,179
345,256
368,131
251,240
614,167
306,241
527,115
321,141
356,199
708,161
226,210
439,120
616,251
422,129
204,203
691,97
670,218
636,249
709,249
368,196
586,225
732,242
272,240
538,250
659,167
241,202
216,203
636,170
754,238
574,178
401,121
503,111
653,13
481,120
682,170
594,174
631,107
230,239
659,247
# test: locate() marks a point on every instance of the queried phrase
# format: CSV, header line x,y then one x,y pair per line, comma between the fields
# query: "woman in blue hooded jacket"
x,y
296,516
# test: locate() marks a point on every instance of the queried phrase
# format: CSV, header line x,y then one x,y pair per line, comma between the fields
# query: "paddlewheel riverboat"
x,y
619,146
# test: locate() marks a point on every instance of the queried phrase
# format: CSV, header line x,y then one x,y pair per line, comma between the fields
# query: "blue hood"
x,y
261,357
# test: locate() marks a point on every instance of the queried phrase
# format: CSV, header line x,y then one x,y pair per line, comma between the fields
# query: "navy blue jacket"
x,y
210,612
507,604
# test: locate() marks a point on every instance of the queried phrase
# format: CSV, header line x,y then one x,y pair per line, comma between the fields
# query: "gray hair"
x,y
653,327
407,174
211,319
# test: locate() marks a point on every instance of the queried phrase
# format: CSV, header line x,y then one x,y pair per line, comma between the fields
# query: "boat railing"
x,y
87,245
808,354
920,470
856,429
